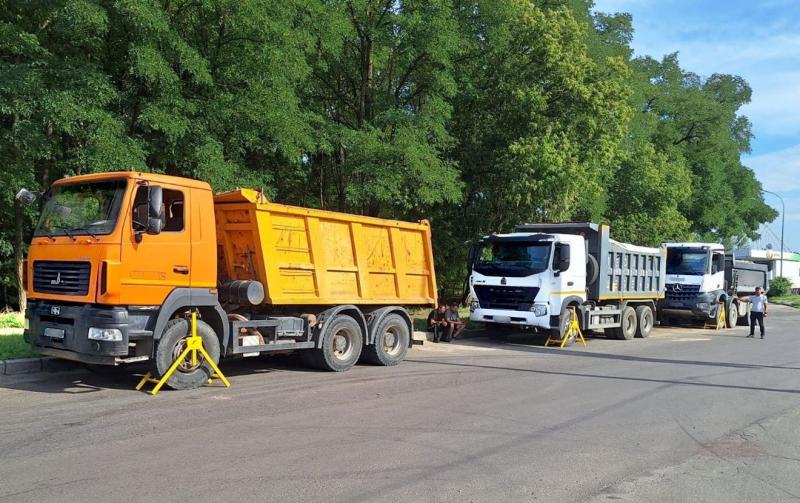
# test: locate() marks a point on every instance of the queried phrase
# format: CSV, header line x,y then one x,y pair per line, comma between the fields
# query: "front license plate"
x,y
54,333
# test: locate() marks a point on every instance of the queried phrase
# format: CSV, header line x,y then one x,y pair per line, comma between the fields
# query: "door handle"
x,y
180,269
570,283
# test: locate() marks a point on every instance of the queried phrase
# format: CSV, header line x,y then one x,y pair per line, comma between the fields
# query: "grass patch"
x,y
13,346
787,300
12,320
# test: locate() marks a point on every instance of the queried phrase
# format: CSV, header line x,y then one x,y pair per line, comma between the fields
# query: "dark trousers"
x,y
756,317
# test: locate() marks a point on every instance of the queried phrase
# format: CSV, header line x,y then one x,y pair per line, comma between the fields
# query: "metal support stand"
x,y
194,344
573,332
719,324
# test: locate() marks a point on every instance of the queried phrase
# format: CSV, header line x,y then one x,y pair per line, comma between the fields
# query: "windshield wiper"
x,y
66,231
86,230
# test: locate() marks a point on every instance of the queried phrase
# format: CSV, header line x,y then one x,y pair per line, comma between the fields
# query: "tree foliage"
x,y
474,114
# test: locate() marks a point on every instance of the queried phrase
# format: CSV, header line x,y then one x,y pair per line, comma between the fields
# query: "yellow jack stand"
x,y
573,332
194,343
720,323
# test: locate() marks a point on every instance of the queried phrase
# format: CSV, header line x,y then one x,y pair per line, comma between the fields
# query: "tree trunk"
x,y
19,255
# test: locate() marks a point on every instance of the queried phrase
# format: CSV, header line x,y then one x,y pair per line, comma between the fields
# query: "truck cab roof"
x,y
136,175
710,246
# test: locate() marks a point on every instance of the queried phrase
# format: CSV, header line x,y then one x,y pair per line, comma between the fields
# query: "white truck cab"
x,y
695,280
525,278
539,275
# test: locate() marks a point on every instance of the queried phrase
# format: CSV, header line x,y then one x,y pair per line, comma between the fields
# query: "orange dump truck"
x,y
119,261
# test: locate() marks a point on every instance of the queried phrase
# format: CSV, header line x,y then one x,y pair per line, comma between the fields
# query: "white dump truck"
x,y
701,277
532,277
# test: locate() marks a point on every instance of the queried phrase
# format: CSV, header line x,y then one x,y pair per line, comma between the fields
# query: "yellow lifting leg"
x,y
719,324
194,343
573,332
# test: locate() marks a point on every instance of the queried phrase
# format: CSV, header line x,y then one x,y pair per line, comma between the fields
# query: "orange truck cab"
x,y
119,261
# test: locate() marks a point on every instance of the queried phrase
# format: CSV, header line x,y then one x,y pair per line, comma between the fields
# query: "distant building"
x,y
791,262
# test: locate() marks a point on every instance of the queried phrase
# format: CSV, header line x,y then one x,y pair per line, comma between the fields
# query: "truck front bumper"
x,y
62,330
699,307
507,317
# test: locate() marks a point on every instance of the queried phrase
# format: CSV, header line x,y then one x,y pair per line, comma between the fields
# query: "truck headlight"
x,y
703,306
105,334
475,304
539,309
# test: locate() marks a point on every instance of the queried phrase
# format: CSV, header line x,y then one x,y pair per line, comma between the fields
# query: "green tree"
x,y
382,86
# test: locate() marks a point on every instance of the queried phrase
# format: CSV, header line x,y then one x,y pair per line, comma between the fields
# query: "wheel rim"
x,y
391,341
185,365
629,323
343,345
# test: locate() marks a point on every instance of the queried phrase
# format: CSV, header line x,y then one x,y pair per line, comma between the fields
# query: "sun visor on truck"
x,y
518,239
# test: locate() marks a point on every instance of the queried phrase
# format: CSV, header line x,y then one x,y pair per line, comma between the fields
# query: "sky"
x,y
758,40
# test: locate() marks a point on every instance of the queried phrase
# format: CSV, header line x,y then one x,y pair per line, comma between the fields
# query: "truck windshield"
x,y
81,208
687,261
513,258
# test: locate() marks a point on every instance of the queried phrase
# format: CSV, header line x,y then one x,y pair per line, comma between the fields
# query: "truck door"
x,y
155,264
717,271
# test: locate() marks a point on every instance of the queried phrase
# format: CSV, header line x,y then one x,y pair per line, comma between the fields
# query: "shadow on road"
x,y
518,346
611,377
83,380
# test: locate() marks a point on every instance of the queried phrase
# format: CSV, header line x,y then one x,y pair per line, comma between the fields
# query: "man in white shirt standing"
x,y
758,310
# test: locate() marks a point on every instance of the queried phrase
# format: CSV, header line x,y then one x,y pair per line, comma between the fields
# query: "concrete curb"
x,y
468,333
33,365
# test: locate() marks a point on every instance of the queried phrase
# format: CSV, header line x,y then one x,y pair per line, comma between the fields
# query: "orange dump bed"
x,y
307,256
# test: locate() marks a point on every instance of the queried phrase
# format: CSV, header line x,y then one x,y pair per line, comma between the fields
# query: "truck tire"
x,y
732,317
391,342
592,270
744,321
170,346
628,324
644,318
563,326
342,341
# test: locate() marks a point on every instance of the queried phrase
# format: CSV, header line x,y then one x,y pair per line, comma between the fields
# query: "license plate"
x,y
54,333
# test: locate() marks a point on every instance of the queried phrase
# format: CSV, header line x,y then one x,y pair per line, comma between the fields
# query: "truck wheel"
x,y
563,326
733,316
342,341
629,326
644,315
391,342
744,321
172,344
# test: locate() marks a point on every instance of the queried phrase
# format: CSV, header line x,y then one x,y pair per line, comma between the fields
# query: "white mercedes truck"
x,y
701,277
531,278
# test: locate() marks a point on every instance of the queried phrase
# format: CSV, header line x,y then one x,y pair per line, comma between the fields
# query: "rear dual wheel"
x,y
392,339
628,325
645,319
342,342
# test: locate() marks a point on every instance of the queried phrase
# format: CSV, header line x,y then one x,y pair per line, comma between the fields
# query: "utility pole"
x,y
783,221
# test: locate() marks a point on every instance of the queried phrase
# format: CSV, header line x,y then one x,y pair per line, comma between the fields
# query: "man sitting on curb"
x,y
437,322
454,324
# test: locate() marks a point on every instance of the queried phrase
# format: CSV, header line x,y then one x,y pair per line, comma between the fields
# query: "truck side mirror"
x,y
472,256
26,197
155,200
561,258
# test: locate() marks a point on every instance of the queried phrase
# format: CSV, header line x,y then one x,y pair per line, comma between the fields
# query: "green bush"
x,y
779,287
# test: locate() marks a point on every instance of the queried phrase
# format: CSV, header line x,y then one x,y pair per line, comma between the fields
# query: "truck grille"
x,y
680,292
517,298
63,278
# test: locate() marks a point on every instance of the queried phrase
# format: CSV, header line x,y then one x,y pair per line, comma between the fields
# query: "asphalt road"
x,y
686,415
